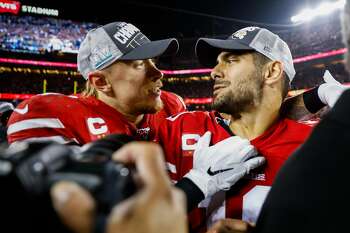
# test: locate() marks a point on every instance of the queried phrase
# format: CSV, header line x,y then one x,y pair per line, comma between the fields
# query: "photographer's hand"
x,y
74,205
231,226
157,207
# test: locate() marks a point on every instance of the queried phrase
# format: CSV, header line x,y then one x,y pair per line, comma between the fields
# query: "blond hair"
x,y
89,91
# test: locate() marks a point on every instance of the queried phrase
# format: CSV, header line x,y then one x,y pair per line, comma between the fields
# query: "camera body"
x,y
37,166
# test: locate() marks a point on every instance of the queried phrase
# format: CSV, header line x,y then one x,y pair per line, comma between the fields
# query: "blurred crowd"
x,y
308,75
320,36
190,88
40,35
43,35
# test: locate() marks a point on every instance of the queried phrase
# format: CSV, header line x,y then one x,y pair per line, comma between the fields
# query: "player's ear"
x,y
99,80
273,72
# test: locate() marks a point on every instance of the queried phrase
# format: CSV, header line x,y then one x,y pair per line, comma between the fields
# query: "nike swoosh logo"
x,y
213,173
22,111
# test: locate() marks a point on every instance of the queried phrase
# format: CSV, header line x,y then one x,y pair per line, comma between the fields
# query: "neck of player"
x,y
125,109
257,119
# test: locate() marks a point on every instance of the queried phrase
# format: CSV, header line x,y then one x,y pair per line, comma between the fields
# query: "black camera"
x,y
32,168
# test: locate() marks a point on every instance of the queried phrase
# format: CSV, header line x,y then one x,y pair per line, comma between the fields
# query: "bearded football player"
x,y
252,70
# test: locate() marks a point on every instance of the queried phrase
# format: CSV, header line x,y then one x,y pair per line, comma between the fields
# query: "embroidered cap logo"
x,y
243,32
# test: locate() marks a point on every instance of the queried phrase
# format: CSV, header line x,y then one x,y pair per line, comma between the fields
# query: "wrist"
x,y
193,194
312,99
200,179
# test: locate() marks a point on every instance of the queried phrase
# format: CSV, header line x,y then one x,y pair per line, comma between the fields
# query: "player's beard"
x,y
159,106
246,94
151,109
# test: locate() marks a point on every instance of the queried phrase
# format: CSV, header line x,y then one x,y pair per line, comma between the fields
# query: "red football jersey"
x,y
66,119
178,136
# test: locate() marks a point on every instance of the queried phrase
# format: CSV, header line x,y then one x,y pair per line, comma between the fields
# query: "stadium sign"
x,y
39,10
7,6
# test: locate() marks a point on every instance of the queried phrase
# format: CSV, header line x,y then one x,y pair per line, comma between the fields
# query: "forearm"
x,y
302,105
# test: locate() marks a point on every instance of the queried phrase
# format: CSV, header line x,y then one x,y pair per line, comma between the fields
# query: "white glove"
x,y
220,166
330,91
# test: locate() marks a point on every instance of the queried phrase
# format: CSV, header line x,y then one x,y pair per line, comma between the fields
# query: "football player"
x,y
252,70
122,95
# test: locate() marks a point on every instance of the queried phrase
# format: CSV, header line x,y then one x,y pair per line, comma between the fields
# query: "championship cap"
x,y
246,39
119,41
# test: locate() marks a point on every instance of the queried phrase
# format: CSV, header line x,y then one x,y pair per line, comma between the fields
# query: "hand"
x,y
158,206
220,166
330,91
74,205
230,226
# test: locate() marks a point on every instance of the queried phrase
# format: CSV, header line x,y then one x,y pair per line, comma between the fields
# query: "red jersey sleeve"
x,y
42,118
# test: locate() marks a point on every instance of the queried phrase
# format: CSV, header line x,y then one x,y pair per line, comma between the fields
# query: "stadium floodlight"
x,y
323,9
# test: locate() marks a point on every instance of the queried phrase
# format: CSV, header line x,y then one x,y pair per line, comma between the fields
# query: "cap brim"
x,y
153,49
207,49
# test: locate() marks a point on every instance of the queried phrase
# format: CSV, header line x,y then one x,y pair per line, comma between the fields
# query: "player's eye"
x,y
139,63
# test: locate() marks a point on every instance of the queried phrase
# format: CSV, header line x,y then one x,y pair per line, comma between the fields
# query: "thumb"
x,y
204,141
328,78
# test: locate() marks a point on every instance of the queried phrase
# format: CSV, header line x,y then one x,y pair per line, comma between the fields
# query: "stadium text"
x,y
39,10
9,6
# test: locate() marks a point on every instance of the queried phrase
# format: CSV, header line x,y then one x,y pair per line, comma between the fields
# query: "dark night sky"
x,y
177,18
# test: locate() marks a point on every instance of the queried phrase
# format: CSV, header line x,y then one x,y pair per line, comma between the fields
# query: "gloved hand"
x,y
330,91
220,166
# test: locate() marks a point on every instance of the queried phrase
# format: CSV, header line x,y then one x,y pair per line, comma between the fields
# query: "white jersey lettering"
x,y
186,145
97,125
